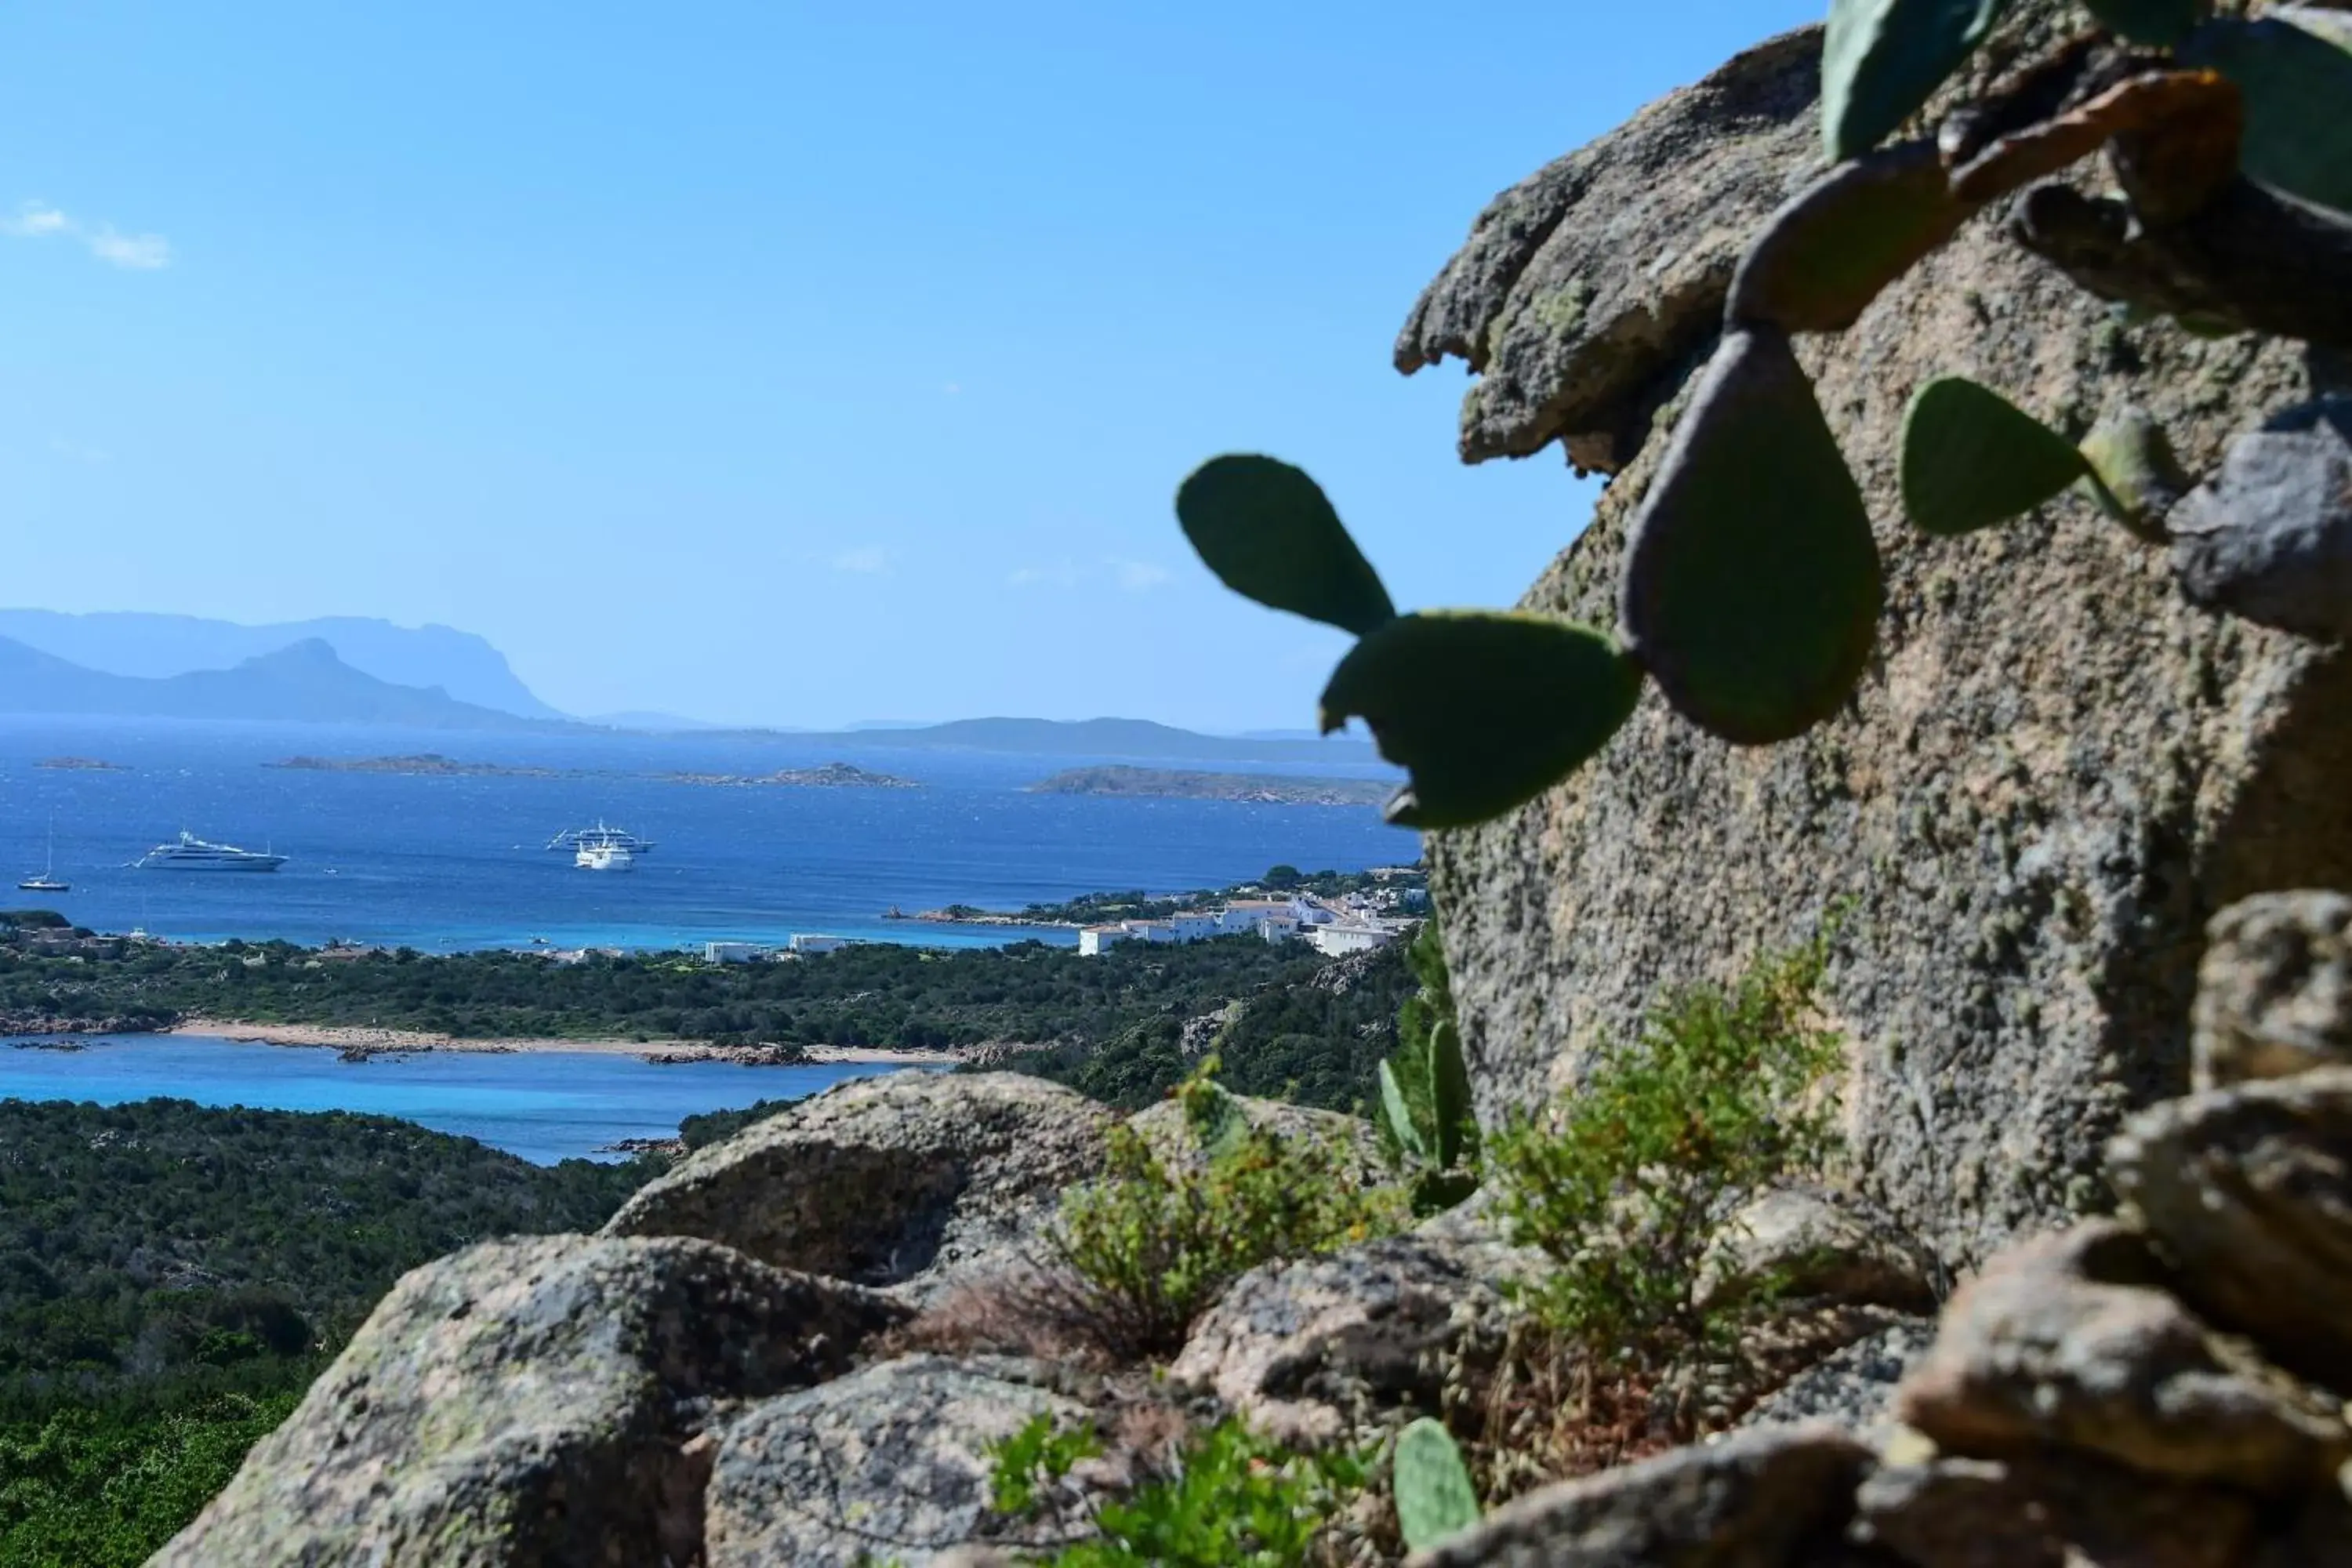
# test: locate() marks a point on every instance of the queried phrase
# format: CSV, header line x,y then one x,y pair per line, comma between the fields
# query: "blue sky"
x,y
772,363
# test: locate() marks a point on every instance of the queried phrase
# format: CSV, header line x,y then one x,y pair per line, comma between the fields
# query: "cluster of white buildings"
x,y
758,952
1300,918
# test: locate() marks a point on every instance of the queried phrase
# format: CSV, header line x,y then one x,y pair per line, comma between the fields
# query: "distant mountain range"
x,y
303,683
156,647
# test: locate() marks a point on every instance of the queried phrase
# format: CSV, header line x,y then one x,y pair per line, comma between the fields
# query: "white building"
x,y
1335,939
1197,925
1277,927
732,952
1094,941
1152,931
815,944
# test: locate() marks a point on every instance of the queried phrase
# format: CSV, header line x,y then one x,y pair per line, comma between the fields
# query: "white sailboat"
x,y
46,881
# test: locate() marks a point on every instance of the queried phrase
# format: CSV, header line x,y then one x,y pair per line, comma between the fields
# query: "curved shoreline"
x,y
368,1040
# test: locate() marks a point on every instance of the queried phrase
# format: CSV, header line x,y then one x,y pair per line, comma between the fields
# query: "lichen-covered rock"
x,y
1319,1347
2072,1342
913,1178
1776,1497
1853,1385
2060,1509
2054,772
888,1465
1548,300
1166,1132
1812,1243
529,1403
2249,1189
2274,992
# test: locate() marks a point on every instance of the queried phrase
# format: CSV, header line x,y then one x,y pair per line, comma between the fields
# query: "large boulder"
x,y
890,1465
2249,1191
529,1403
1778,1498
2054,772
914,1180
2072,1342
2061,1509
1355,1147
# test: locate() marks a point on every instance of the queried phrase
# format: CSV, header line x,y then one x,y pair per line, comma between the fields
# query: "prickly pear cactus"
x,y
1434,1498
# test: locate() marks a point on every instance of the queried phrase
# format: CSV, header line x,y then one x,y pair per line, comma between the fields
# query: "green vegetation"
x,y
172,1276
1626,1183
1752,585
1103,908
1147,1245
1234,1498
1434,1498
1428,1128
869,995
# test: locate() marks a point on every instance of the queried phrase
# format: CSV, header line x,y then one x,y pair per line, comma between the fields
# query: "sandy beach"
x,y
349,1038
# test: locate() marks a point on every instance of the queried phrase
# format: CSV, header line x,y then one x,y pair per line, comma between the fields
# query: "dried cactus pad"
x,y
1752,585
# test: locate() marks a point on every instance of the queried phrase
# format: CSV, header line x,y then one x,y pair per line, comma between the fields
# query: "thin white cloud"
x,y
133,252
1141,576
1051,574
79,451
869,560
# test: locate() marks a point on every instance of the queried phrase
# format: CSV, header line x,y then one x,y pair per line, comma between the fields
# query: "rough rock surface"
x,y
1324,1346
1813,1243
886,1179
525,1402
2061,1509
1758,1499
1164,1129
1853,1386
2270,536
2070,1341
2054,772
2275,992
888,1465
2249,1190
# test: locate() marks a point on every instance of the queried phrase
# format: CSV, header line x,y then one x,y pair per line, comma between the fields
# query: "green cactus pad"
x,y
2133,476
1451,1123
1752,587
1972,459
1484,709
1829,252
1434,1498
1269,534
1396,1111
1882,59
2294,66
2162,23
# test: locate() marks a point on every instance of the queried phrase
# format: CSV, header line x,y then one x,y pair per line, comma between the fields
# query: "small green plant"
x,y
1752,585
1434,1498
1147,1245
1628,1182
1427,1127
1231,1498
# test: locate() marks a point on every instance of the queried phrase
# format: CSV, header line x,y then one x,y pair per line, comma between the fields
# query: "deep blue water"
x,y
544,1107
452,863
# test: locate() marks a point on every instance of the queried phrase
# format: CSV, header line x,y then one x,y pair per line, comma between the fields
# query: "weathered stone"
x,y
1813,1243
1777,1498
914,1177
2249,1190
1547,299
1323,1346
2274,992
2054,772
2070,1341
888,1465
525,1402
2056,1511
1853,1385
1164,1129
2270,536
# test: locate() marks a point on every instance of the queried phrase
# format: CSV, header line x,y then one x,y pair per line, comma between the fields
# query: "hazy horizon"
x,y
765,366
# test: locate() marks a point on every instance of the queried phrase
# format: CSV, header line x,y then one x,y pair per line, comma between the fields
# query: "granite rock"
x,y
1815,1244
2059,1510
2274,991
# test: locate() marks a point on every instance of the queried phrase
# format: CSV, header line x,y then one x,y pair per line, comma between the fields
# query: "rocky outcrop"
x,y
2054,772
1817,1243
2274,992
1349,1141
530,1403
911,1180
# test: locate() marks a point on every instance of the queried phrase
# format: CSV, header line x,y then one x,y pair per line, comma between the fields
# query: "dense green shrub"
x,y
1630,1177
1233,1497
1147,1245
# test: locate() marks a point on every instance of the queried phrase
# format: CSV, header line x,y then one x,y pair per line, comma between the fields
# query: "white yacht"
x,y
619,837
190,853
604,855
45,881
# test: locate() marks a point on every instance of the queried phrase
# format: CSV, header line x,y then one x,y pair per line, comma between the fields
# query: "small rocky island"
x,y
829,775
81,764
1257,789
429,765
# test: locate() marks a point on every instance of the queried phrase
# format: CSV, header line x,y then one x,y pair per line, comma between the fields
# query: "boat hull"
x,y
174,863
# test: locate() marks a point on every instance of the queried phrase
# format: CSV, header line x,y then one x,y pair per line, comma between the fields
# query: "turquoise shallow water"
x,y
543,1105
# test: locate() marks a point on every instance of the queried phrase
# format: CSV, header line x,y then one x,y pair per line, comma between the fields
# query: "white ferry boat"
x,y
605,856
581,838
190,853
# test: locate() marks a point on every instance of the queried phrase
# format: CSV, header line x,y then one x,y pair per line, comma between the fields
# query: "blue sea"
x,y
453,864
